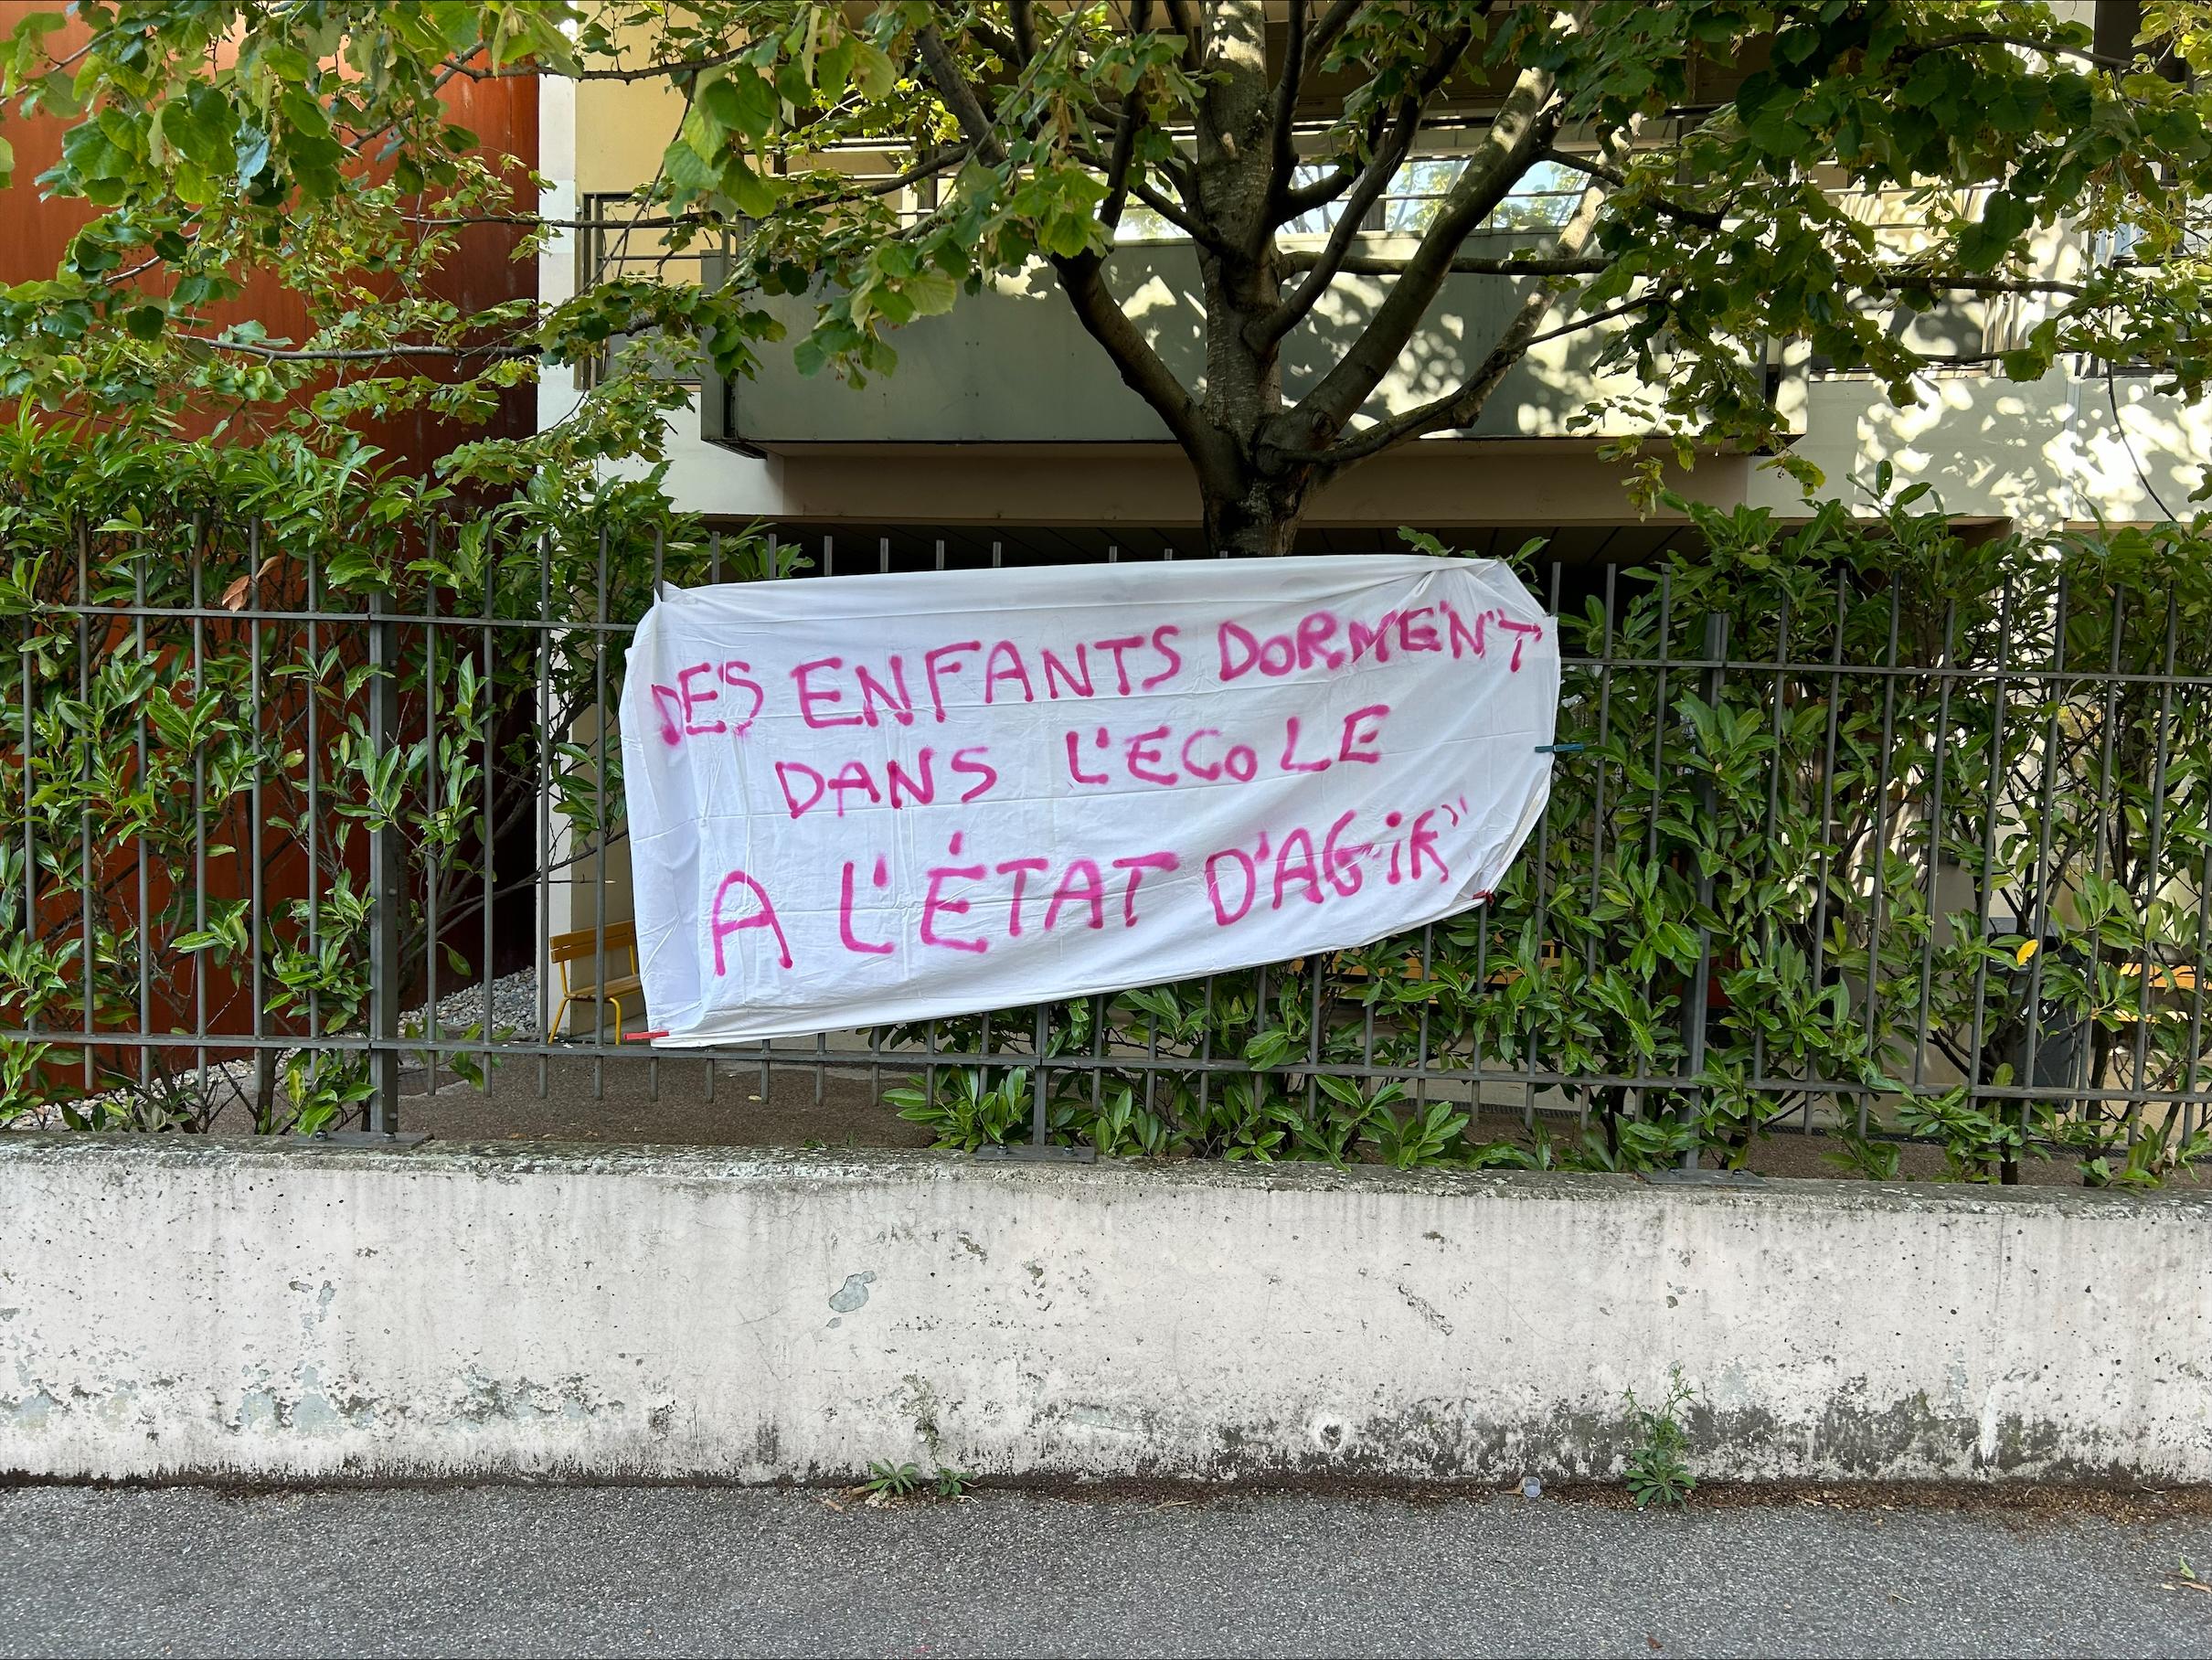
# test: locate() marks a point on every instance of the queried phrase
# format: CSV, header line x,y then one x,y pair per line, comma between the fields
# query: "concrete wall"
x,y
2048,454
186,1307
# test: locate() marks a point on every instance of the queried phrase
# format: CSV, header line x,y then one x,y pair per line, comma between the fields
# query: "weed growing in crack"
x,y
1658,1471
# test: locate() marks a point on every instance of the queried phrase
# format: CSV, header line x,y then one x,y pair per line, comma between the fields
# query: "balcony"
x,y
1013,366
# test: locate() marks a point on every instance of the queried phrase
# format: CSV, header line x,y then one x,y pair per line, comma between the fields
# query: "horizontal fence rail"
x,y
1868,832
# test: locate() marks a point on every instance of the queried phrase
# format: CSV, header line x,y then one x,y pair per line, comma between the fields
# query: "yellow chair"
x,y
584,946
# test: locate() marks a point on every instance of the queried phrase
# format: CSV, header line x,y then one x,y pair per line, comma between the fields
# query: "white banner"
x,y
854,800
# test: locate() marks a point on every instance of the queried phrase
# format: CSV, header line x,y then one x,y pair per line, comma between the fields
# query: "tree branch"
x,y
1142,370
1303,198
1459,407
1025,30
367,354
1177,217
1540,265
1372,184
1612,175
1081,278
958,96
1524,126
1464,265
2049,49
1285,100
1194,54
1334,22
1124,136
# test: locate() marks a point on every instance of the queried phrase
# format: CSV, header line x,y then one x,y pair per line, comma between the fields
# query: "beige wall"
x,y
2044,454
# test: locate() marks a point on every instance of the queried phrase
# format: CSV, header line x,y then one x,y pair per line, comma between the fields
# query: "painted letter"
x,y
1290,749
1011,669
784,769
1143,757
1019,871
844,913
983,772
763,918
1075,767
1159,638
1137,867
933,901
693,699
1080,882
929,668
809,695
894,697
1223,915
1348,747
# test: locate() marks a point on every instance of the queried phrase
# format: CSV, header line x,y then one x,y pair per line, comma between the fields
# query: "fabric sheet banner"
x,y
857,801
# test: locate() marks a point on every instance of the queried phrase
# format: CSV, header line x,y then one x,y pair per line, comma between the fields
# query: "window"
x,y
613,247
1543,199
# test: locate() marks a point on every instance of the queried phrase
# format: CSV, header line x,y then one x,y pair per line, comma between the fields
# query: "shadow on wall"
x,y
1013,365
2044,454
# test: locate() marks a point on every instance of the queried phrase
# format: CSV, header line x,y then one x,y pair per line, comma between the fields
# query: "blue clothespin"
x,y
1560,749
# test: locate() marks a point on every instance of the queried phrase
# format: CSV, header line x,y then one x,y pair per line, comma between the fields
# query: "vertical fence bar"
x,y
249,843
1935,845
199,813
144,914
1777,743
1696,1005
1827,790
2155,857
2046,800
487,831
1037,1126
653,598
1660,716
30,800
1878,849
600,825
433,1058
829,569
386,876
713,574
542,947
1995,806
311,688
88,889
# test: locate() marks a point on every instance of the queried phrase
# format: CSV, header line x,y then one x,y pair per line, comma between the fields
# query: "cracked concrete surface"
x,y
195,1307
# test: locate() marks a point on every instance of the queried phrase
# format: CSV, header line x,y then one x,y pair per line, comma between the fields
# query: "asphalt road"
x,y
518,1570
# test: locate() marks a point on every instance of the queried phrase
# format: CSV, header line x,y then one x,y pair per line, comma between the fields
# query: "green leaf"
x,y
930,292
755,195
1066,234
742,100
873,72
688,174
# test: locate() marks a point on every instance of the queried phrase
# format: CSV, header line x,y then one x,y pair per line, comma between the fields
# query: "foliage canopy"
x,y
1706,206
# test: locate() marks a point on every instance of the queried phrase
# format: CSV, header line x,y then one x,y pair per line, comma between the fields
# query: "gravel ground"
x,y
513,1013
522,1570
513,1009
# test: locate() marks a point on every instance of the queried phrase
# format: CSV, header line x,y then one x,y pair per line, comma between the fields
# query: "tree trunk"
x,y
1252,516
1248,511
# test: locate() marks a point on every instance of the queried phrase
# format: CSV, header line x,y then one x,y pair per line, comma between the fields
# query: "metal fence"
x,y
1848,835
